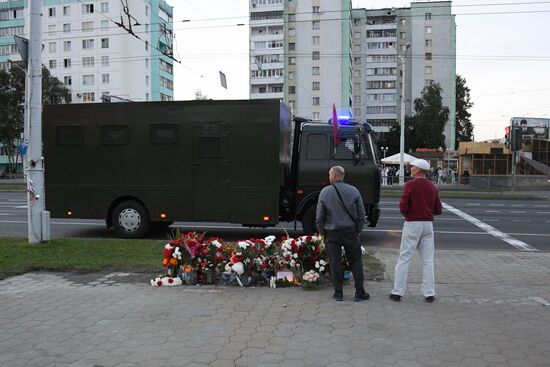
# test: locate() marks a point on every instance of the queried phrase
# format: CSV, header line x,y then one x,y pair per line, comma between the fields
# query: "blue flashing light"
x,y
344,119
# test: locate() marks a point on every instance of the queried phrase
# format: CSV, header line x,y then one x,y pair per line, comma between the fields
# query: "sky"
x,y
505,58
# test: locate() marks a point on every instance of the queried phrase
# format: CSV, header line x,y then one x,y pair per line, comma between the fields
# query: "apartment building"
x,y
95,58
422,39
300,52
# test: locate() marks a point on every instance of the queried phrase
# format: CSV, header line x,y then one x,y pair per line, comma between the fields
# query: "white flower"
x,y
363,250
168,247
322,262
217,243
292,263
228,266
295,255
269,240
238,268
317,264
243,244
322,268
177,253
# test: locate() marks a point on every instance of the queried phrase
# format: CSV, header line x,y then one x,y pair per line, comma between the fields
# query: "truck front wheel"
x,y
130,219
308,220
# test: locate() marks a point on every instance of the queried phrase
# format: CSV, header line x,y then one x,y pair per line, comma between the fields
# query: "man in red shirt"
x,y
419,203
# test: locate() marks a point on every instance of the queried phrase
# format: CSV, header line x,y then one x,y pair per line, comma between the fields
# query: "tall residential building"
x,y
300,52
329,53
91,55
430,31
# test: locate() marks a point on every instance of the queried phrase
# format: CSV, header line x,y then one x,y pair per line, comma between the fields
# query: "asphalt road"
x,y
465,224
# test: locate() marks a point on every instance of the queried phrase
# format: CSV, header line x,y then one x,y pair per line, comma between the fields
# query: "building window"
x,y
316,116
290,75
292,46
104,60
356,60
87,26
291,17
316,86
292,32
51,28
357,112
316,55
429,29
146,45
316,24
356,86
356,48
316,101
428,43
52,47
104,7
292,61
357,73
147,63
428,56
68,80
357,99
428,16
356,34
316,70
104,25
66,27
66,11
291,104
146,96
105,79
428,69
88,44
429,82
403,21
403,35
291,89
104,43
51,12
87,8
88,97
315,9
88,79
53,64
146,11
88,62
66,45
356,22
316,40
147,80
67,63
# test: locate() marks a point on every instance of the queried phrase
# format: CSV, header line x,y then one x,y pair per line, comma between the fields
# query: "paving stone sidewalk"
x,y
492,309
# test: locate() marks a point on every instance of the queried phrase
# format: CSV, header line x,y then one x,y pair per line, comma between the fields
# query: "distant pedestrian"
x,y
440,176
419,203
340,218
453,176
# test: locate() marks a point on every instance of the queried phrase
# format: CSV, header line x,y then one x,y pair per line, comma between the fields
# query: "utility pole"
x,y
402,136
38,217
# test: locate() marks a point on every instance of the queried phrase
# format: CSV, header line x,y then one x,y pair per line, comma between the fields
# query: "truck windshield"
x,y
353,147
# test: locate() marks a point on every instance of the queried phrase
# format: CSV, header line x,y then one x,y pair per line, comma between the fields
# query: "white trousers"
x,y
416,235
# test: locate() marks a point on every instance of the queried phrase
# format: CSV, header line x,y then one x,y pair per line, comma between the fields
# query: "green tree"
x,y
199,96
425,128
12,106
464,129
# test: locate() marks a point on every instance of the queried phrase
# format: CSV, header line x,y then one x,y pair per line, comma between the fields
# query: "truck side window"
x,y
115,134
317,147
164,134
68,135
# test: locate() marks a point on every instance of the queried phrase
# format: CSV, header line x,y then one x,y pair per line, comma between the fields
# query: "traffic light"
x,y
517,138
507,136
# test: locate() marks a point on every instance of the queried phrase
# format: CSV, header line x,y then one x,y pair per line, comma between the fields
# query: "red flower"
x,y
159,283
308,238
261,252
287,256
253,247
170,280
264,265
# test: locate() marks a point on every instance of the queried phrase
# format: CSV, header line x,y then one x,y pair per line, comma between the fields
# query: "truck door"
x,y
210,171
352,153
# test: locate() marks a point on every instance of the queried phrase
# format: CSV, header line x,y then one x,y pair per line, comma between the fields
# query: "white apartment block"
x,y
96,59
300,52
429,29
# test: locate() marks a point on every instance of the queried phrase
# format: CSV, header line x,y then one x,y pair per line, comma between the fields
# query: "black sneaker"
x,y
361,296
338,295
395,297
430,299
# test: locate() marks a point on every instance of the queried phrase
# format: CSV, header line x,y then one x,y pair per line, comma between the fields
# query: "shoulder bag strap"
x,y
354,220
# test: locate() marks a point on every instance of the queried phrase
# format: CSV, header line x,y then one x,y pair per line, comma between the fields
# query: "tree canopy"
x,y
464,129
12,106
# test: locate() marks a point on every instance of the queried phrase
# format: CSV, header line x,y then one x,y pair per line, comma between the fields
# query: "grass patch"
x,y
17,256
13,187
374,268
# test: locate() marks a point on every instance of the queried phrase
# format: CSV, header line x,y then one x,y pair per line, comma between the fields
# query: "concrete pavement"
x,y
492,309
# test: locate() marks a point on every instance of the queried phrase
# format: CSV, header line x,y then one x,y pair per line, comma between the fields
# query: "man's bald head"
x,y
336,173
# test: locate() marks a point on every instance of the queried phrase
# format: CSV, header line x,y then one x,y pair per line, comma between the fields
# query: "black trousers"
x,y
334,240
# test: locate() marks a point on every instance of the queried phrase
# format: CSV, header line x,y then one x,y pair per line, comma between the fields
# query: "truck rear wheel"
x,y
308,220
130,219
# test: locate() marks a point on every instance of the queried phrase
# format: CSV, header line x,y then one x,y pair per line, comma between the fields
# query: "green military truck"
x,y
145,165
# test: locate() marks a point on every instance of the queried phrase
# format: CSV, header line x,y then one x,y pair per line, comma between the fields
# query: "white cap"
x,y
422,164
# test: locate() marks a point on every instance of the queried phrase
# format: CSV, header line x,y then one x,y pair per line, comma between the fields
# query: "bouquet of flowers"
x,y
165,281
310,280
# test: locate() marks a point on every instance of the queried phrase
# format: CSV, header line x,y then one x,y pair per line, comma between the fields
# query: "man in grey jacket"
x,y
340,219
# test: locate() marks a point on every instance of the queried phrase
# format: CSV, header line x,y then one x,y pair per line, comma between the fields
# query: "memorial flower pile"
x,y
252,262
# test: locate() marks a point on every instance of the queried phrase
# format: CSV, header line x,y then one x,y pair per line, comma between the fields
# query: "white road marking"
x,y
543,212
6,214
540,300
491,211
518,211
21,207
518,205
474,204
541,206
520,245
496,204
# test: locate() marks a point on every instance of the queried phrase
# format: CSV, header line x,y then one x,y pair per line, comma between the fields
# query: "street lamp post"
x,y
384,150
402,122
